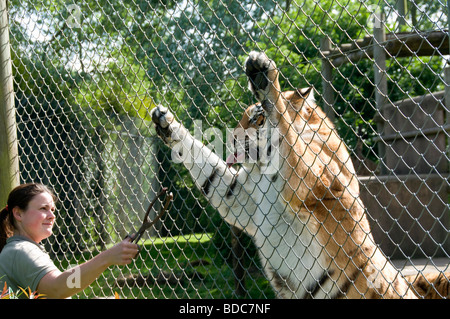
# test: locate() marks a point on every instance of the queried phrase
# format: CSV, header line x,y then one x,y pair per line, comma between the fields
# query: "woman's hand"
x,y
122,253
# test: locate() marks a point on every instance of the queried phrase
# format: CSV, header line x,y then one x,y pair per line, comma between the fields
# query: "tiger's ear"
x,y
305,92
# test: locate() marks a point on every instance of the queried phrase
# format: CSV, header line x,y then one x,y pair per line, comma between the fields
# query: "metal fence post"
x,y
9,160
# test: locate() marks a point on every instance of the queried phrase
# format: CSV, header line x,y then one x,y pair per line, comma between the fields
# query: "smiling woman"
x,y
36,222
27,219
37,199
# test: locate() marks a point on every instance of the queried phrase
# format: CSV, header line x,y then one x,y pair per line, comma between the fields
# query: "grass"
x,y
189,266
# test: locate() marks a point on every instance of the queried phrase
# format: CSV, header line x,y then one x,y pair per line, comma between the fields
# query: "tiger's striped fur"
x,y
431,285
306,217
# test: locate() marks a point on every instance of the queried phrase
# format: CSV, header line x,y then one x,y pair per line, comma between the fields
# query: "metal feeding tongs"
x,y
146,224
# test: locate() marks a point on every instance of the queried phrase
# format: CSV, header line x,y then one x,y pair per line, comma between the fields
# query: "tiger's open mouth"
x,y
235,158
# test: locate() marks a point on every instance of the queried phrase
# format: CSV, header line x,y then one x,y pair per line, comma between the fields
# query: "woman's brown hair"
x,y
18,197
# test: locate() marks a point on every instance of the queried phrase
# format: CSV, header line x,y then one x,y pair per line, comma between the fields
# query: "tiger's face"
x,y
253,117
252,138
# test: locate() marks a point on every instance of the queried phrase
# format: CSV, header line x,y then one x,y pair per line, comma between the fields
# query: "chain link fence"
x,y
87,73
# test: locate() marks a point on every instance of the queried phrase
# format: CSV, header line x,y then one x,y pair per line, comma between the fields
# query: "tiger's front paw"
x,y
262,75
166,126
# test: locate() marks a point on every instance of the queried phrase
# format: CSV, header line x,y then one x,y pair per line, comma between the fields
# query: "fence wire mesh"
x,y
87,74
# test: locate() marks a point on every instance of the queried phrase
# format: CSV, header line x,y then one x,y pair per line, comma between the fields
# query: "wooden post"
x,y
402,9
447,105
448,21
327,76
447,85
9,158
379,55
